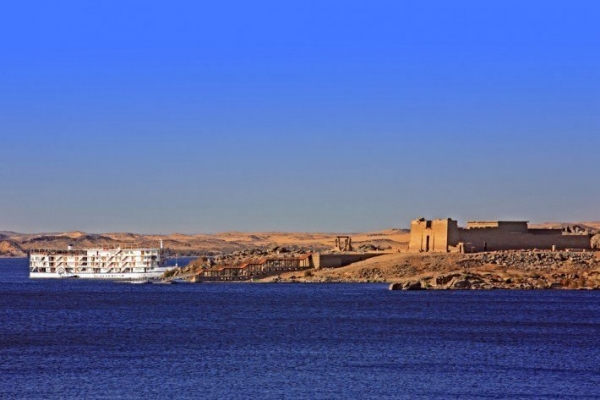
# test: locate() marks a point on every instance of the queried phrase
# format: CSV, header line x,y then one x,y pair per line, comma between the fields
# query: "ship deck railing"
x,y
72,251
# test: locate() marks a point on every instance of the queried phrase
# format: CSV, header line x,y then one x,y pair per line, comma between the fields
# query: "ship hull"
x,y
107,276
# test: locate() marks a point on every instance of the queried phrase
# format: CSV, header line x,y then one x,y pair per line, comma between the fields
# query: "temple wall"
x,y
443,235
492,240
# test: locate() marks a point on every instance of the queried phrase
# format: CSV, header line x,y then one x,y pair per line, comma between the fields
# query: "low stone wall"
x,y
339,260
494,240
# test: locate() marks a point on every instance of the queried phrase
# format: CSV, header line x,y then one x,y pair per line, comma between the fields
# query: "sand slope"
x,y
17,244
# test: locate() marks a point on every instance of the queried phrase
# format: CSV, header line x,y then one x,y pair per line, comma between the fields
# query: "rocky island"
x,y
382,256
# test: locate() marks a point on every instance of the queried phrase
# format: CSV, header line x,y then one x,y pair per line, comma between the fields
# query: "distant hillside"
x,y
8,248
17,244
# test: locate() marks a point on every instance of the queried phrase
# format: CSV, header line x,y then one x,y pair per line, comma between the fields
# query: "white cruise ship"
x,y
97,263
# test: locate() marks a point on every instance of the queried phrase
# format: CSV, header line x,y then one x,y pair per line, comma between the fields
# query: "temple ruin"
x,y
343,243
444,235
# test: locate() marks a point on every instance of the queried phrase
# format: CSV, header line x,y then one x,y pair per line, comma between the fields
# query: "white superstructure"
x,y
97,263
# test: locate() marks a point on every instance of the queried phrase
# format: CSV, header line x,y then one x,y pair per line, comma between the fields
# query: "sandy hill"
x,y
17,244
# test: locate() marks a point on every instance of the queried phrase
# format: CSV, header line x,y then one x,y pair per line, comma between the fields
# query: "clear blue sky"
x,y
186,116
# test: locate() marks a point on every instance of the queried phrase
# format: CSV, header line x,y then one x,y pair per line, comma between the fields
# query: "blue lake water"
x,y
107,340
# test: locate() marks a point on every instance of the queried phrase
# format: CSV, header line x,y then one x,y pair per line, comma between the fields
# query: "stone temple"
x,y
444,235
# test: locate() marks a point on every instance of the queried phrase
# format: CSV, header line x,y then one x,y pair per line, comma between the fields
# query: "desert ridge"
x,y
14,244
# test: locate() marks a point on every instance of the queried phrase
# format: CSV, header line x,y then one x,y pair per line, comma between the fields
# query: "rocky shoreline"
x,y
513,270
524,270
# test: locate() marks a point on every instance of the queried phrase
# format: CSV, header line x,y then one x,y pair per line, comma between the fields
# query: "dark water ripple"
x,y
105,340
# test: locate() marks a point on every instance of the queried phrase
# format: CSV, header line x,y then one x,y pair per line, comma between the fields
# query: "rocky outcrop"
x,y
410,285
540,270
531,259
8,248
522,270
595,242
371,247
460,281
466,281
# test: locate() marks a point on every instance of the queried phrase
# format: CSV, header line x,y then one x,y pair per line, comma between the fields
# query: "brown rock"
x,y
412,286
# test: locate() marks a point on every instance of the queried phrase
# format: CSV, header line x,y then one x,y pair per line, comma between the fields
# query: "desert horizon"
x,y
16,244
